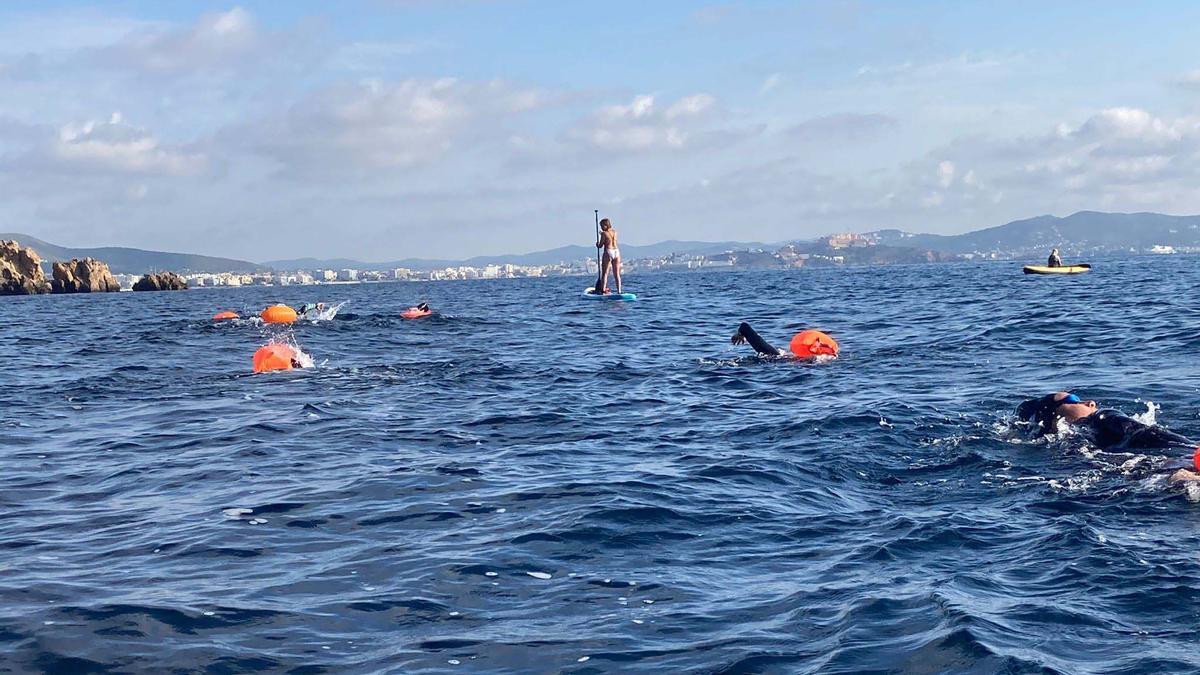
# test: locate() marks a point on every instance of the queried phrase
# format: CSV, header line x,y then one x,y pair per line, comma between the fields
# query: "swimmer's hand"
x,y
738,339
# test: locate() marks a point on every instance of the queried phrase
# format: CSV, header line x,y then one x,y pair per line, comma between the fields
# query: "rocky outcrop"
x,y
83,276
20,270
161,281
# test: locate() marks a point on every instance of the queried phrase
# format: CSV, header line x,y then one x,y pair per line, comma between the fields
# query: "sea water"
x,y
531,482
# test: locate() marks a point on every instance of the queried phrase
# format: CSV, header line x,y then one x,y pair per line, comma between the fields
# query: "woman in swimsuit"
x,y
612,257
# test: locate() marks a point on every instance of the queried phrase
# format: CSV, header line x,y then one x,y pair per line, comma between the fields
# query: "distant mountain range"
x,y
1080,232
1085,231
135,260
550,257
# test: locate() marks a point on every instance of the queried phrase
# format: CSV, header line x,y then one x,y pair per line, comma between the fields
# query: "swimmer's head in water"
x,y
1047,410
1072,407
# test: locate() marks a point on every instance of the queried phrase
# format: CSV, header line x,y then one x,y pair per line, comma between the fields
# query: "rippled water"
x,y
533,482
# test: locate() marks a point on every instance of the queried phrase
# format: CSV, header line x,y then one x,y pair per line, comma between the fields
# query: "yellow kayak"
x,y
1068,269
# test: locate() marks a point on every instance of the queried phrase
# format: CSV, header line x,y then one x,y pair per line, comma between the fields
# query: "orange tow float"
x,y
809,343
224,316
274,356
278,314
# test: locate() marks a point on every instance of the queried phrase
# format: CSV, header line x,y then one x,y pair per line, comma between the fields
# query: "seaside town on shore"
x,y
785,257
834,250
830,251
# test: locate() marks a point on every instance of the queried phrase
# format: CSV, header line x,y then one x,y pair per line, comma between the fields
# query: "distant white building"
x,y
347,275
1159,248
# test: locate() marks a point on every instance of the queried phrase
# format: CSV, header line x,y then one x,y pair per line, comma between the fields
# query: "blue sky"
x,y
384,129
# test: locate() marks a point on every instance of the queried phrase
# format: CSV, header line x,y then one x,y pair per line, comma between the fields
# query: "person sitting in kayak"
x,y
1108,429
1055,260
611,258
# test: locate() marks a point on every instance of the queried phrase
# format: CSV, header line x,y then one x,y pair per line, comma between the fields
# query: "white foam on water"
x,y
328,313
236,512
1150,416
1192,491
539,575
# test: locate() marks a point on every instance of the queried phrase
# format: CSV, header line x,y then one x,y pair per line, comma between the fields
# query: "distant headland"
x,y
1082,234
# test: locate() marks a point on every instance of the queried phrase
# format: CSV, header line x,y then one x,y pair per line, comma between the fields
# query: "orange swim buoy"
x,y
278,314
415,313
809,343
222,316
274,356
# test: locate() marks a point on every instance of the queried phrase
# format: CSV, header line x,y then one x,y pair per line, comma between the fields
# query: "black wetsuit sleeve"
x,y
1041,412
1110,429
1154,437
760,345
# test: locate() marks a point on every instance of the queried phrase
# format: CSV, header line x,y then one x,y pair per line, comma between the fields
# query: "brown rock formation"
x,y
83,276
20,270
161,281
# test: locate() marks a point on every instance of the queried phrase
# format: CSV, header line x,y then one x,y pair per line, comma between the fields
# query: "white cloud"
x,y
385,125
966,64
646,125
945,172
841,127
223,39
770,83
1189,80
114,146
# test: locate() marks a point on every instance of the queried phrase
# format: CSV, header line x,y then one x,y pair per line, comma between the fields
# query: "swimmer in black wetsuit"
x,y
1108,429
310,308
746,334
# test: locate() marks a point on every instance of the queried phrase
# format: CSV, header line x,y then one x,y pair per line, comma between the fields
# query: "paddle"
x,y
599,269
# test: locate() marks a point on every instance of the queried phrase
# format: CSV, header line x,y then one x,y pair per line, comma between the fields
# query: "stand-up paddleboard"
x,y
1069,269
591,294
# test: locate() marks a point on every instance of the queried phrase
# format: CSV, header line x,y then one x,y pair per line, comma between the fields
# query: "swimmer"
x,y
424,307
1107,428
745,334
611,259
805,344
307,308
1055,260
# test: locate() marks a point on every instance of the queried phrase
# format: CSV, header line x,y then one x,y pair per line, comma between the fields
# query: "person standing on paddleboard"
x,y
611,258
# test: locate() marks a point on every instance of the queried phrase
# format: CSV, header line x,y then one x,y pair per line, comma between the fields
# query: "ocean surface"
x,y
531,482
